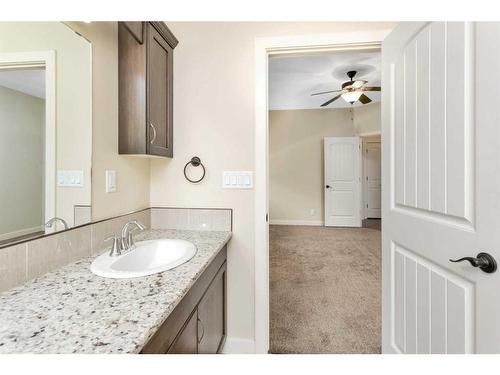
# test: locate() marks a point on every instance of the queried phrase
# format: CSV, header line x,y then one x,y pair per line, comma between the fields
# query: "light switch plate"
x,y
237,180
70,178
110,181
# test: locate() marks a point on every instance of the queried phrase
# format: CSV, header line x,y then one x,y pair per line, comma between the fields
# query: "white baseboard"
x,y
234,345
314,223
21,232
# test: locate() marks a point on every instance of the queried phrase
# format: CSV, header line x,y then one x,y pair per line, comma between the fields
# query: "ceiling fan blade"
x,y
325,92
359,83
364,99
373,88
331,100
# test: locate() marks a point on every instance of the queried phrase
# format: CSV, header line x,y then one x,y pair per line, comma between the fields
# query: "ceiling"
x,y
27,81
293,78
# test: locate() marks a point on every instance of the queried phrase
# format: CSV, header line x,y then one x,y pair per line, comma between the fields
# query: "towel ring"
x,y
195,162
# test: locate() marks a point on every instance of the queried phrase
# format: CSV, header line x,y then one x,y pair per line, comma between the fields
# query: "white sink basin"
x,y
148,257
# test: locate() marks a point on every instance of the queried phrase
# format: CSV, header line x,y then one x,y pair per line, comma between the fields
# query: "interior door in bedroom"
x,y
342,181
372,180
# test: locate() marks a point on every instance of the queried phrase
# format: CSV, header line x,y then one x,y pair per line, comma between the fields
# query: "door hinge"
x,y
267,218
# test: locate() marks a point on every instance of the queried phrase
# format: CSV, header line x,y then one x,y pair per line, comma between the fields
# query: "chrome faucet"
x,y
127,240
124,242
116,247
51,222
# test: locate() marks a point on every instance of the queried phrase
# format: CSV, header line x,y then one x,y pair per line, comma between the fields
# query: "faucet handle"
x,y
116,247
139,225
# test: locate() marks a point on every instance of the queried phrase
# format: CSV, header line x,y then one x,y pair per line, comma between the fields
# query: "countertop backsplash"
x,y
22,262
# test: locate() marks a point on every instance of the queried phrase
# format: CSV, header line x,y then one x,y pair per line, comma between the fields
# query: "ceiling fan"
x,y
351,91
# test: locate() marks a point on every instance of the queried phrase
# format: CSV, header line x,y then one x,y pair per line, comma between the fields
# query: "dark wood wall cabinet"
x,y
145,88
198,323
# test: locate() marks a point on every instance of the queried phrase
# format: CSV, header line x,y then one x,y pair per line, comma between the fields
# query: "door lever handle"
x,y
482,260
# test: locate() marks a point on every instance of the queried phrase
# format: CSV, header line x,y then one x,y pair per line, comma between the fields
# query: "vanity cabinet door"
x,y
186,340
131,91
211,315
145,64
159,94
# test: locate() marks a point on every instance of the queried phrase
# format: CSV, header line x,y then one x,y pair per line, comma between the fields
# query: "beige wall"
x,y
22,138
214,118
296,161
367,118
132,173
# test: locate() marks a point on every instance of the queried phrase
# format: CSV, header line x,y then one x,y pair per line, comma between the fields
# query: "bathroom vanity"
x,y
72,310
198,323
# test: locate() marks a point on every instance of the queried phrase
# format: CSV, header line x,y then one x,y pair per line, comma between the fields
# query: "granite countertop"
x,y
71,310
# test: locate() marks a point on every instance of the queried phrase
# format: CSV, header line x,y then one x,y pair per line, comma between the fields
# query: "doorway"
x,y
263,48
322,300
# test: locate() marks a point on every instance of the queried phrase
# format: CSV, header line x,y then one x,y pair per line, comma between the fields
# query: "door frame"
x,y
359,200
264,47
46,59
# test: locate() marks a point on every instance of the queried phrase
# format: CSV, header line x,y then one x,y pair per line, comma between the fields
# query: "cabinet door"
x,y
211,315
132,109
186,340
159,94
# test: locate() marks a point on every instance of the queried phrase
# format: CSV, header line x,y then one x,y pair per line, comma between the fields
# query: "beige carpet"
x,y
325,290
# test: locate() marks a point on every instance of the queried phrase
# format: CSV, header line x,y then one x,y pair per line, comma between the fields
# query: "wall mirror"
x,y
45,129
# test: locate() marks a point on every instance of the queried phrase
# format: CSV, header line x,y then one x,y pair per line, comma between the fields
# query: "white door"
x,y
342,181
441,187
372,180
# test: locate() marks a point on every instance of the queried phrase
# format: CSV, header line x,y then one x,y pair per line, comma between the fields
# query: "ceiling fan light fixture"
x,y
358,84
351,96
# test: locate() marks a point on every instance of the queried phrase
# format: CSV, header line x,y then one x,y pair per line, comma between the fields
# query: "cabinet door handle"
x,y
200,323
154,133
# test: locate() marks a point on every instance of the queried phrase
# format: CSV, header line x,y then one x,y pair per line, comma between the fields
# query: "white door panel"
x,y
343,203
441,190
342,181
